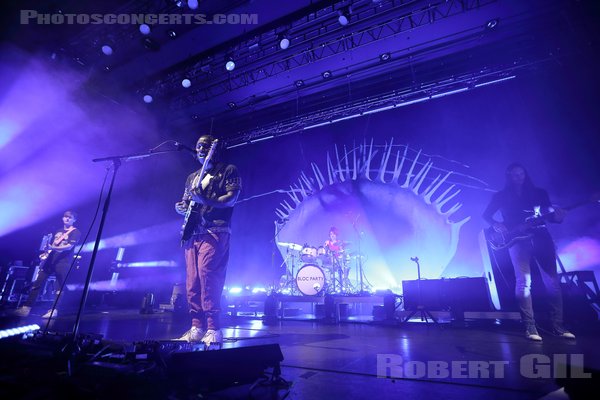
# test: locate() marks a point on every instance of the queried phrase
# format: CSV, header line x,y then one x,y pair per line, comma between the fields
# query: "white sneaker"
x,y
51,314
213,338
532,334
193,335
563,333
22,311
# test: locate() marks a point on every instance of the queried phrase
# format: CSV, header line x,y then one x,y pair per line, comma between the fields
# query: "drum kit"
x,y
321,270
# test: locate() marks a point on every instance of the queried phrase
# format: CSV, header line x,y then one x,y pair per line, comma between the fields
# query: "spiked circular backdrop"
x,y
389,202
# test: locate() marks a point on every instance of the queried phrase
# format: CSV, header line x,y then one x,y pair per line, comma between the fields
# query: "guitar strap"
x,y
46,253
218,169
63,235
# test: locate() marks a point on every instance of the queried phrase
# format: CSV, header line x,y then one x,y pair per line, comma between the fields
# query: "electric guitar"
x,y
187,229
45,254
503,240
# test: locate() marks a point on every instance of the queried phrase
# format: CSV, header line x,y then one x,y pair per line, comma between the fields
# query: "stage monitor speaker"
x,y
458,294
218,369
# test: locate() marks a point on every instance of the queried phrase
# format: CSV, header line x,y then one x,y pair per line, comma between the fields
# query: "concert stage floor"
x,y
344,360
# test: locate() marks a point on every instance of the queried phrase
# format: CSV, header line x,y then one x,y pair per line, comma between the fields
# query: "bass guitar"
x,y
503,240
187,229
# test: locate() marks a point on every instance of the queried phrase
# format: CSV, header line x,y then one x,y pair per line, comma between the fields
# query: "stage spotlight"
x,y
344,16
186,83
192,4
326,74
385,57
491,24
107,50
235,290
144,29
232,105
230,65
171,33
148,99
299,83
284,43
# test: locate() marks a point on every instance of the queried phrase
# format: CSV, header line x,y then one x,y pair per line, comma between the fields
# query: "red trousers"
x,y
206,259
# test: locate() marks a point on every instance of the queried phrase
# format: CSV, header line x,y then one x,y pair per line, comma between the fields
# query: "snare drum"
x,y
310,280
308,254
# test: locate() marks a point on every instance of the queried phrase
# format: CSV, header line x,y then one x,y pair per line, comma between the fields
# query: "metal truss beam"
x,y
259,65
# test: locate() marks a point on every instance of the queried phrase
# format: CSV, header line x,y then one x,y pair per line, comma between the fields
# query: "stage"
x,y
475,358
355,168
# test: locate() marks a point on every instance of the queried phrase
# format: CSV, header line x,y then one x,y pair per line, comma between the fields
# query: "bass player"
x,y
521,204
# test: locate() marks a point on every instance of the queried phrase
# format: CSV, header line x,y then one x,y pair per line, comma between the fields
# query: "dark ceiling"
x,y
329,71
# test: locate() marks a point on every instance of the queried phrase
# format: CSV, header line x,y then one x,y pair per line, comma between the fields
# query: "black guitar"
x,y
187,229
503,240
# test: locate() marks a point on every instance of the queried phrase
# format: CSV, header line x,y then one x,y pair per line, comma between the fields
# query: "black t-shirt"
x,y
225,178
72,238
516,209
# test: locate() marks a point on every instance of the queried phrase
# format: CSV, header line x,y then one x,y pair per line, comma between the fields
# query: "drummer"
x,y
339,262
333,244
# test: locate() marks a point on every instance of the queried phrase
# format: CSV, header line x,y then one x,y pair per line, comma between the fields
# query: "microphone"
x,y
181,146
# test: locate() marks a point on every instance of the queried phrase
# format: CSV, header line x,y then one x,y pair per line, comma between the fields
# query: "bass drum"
x,y
310,280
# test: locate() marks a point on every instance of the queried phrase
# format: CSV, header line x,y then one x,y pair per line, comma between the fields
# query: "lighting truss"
x,y
315,39
386,101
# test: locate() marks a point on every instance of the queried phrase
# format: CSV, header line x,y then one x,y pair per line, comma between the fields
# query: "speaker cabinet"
x,y
459,294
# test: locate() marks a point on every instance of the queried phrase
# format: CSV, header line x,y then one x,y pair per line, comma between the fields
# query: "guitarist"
x,y
57,259
521,204
207,247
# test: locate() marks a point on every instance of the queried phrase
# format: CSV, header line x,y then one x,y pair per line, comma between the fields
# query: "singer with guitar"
x,y
207,204
56,259
522,206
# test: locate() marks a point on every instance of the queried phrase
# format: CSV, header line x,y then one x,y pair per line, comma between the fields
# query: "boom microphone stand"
x,y
360,264
116,163
420,307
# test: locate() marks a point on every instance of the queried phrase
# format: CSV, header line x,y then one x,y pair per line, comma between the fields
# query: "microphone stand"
x,y
420,307
360,266
116,163
289,274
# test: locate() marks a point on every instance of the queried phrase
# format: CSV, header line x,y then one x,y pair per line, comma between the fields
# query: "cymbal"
x,y
292,246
